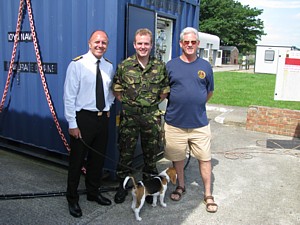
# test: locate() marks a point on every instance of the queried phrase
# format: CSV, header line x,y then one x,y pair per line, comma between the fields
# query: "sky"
x,y
281,21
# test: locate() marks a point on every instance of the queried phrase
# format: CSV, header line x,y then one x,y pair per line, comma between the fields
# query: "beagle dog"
x,y
155,186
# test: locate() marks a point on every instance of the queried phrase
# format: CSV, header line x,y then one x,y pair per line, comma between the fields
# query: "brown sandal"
x,y
179,191
210,204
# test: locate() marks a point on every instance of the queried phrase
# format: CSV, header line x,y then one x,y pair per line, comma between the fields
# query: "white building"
x,y
209,49
267,57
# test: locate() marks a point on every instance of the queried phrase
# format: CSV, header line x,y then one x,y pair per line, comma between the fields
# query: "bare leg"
x,y
179,166
205,171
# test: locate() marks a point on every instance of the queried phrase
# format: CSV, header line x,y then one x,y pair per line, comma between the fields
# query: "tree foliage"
x,y
235,24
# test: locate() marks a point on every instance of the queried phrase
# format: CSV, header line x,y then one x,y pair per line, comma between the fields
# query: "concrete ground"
x,y
256,180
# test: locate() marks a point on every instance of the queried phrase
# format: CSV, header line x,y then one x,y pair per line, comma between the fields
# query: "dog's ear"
x,y
172,174
173,178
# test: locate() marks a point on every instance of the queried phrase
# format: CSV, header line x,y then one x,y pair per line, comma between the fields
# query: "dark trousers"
x,y
148,126
94,132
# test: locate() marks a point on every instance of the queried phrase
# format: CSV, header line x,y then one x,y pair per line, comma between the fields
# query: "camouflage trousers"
x,y
148,128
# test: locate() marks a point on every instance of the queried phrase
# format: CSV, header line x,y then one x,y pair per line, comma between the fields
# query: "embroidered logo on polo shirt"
x,y
201,74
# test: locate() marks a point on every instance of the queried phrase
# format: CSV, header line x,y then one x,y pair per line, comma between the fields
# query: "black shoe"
x,y
120,195
75,209
99,199
149,199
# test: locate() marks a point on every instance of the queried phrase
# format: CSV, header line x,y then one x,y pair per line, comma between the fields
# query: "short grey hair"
x,y
188,30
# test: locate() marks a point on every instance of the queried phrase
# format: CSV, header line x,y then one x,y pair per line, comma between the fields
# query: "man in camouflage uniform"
x,y
140,83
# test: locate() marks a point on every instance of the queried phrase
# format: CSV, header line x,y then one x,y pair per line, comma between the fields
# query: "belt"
x,y
137,109
94,113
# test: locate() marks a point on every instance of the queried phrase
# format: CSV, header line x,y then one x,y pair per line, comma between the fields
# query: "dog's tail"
x,y
126,181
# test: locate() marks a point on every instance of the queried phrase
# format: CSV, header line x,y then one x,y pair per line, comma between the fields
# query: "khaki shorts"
x,y
179,142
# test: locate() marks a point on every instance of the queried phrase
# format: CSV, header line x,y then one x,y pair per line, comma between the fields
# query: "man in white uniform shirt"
x,y
86,121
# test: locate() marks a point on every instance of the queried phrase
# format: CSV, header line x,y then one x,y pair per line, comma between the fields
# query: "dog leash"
x,y
188,161
127,167
105,156
63,193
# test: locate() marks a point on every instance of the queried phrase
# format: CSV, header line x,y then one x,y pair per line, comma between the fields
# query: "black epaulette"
x,y
77,58
108,60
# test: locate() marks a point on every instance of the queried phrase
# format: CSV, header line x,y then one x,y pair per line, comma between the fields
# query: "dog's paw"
x,y
154,205
137,215
163,204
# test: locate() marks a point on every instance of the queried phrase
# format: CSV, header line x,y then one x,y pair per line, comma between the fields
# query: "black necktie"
x,y
100,101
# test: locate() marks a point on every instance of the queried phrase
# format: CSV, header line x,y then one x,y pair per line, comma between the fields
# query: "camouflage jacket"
x,y
141,87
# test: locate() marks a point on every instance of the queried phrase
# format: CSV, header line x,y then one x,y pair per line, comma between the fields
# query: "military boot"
x,y
121,193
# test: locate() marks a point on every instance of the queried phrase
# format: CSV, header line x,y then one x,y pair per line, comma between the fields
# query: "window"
x,y
205,53
269,55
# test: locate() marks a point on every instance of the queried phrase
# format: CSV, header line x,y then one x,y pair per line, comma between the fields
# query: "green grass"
x,y
245,89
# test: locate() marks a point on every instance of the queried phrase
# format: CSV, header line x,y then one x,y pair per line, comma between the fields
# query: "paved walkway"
x,y
233,68
254,182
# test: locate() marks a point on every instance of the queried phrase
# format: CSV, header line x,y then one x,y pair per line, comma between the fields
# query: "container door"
x,y
138,17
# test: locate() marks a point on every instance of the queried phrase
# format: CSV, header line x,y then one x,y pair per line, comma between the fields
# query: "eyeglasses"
x,y
189,42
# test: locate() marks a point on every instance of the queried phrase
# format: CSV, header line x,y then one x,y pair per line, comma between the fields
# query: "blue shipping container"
x,y
62,30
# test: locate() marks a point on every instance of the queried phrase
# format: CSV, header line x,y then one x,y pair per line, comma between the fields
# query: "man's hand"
x,y
118,95
163,96
75,132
